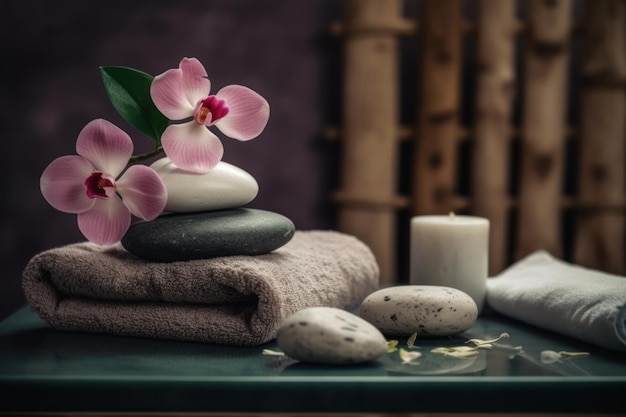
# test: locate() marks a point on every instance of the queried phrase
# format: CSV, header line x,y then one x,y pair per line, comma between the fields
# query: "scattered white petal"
x,y
508,348
463,348
269,352
549,356
409,357
411,342
566,355
512,350
457,351
479,342
391,346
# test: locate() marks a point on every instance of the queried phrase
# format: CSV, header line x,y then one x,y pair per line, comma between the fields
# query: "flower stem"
x,y
136,159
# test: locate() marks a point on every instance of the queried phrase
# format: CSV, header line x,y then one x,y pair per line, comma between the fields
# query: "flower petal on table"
x,y
105,145
177,91
106,222
248,112
62,184
192,147
143,192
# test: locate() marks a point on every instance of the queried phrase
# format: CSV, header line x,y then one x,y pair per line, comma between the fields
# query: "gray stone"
x,y
428,310
331,336
181,237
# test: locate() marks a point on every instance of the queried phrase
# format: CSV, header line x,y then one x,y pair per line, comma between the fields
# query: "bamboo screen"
x,y
545,180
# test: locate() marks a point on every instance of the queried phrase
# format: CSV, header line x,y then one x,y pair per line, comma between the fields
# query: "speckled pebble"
x,y
331,336
429,310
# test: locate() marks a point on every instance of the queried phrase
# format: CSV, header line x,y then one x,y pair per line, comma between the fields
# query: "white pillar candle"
x,y
451,251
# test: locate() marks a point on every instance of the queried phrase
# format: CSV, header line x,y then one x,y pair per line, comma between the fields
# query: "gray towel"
x,y
579,302
236,300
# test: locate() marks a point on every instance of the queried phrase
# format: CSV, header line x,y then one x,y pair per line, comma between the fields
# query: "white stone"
x,y
225,186
330,335
428,310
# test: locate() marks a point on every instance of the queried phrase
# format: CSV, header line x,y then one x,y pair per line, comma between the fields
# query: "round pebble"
x,y
428,310
187,236
330,336
225,186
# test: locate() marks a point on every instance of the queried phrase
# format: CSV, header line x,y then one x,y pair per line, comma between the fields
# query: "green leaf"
x,y
129,92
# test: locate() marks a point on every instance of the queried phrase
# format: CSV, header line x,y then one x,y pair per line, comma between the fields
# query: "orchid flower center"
x,y
209,110
99,185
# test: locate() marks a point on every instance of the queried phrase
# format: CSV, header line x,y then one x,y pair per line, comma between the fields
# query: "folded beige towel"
x,y
237,300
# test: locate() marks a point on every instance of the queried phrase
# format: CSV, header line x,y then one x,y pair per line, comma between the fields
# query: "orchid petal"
x,y
192,147
105,145
177,91
248,112
62,184
106,222
142,191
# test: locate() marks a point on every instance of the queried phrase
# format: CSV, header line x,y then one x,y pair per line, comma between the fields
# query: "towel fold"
x,y
569,299
236,300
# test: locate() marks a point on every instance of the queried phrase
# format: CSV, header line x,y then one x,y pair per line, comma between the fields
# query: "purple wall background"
x,y
51,88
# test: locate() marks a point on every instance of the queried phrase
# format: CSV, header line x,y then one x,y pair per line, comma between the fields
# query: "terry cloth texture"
x,y
236,300
582,303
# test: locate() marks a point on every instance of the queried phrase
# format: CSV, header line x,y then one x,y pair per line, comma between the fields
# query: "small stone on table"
x,y
330,336
428,310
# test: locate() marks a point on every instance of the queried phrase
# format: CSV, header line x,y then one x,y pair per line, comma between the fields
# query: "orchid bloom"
x,y
182,94
87,184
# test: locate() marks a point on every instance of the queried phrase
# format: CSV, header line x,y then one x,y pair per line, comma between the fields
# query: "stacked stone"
x,y
205,218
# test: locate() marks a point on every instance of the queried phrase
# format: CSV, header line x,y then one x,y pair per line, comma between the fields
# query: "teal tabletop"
x,y
42,369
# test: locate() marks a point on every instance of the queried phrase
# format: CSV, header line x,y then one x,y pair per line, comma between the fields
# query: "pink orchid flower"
x,y
87,184
182,94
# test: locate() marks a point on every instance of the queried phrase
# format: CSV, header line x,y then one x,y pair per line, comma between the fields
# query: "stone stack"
x,y
205,218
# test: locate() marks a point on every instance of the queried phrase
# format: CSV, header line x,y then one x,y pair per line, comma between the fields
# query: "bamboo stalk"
x,y
545,97
495,34
396,26
435,160
600,234
370,109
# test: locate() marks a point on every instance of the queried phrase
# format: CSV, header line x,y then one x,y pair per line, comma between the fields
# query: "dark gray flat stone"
x,y
182,237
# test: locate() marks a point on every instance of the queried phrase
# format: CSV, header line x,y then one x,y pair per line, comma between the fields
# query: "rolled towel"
x,y
569,299
236,300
